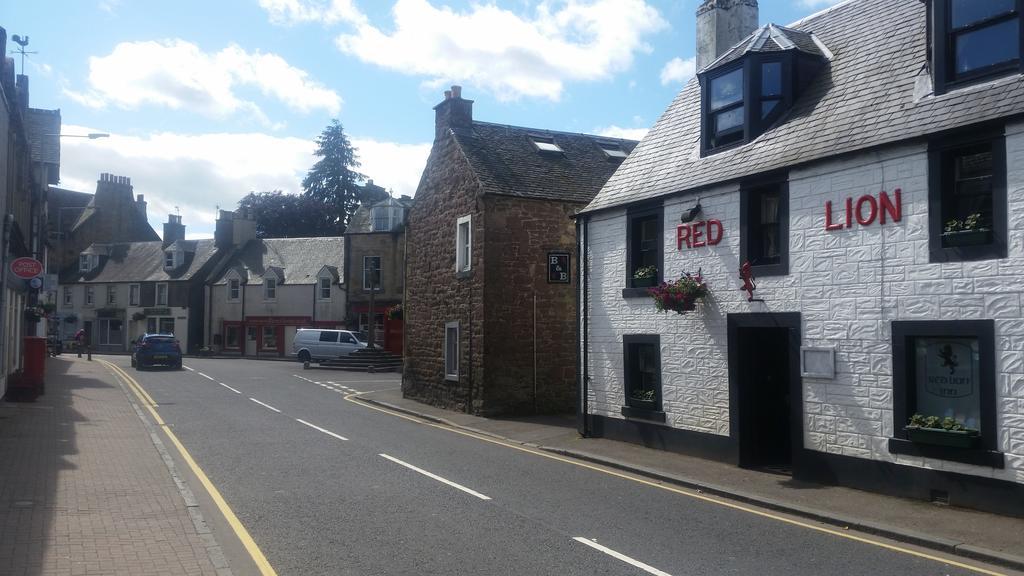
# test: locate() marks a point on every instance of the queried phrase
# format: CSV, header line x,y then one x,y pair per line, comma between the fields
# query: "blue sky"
x,y
207,101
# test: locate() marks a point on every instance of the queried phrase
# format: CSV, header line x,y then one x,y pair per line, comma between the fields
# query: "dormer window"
x,y
752,85
546,144
168,259
270,288
83,263
386,217
975,41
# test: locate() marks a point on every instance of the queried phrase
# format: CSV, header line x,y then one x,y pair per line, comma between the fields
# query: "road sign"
x,y
26,267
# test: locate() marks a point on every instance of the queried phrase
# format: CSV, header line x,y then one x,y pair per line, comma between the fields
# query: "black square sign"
x,y
558,268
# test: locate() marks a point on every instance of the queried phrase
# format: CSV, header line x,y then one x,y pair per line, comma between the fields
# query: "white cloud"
x,y
614,131
178,75
197,173
678,71
286,12
508,54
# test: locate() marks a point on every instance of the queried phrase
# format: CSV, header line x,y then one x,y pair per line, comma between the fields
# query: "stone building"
x,y
375,257
873,179
29,162
121,290
267,288
489,322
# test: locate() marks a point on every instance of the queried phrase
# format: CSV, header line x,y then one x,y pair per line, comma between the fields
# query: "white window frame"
x,y
69,297
170,259
90,295
234,289
166,295
111,294
380,274
84,262
320,288
464,246
270,289
449,363
134,294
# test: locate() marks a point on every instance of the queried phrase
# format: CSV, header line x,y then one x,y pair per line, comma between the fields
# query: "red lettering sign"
x,y
699,234
867,210
26,268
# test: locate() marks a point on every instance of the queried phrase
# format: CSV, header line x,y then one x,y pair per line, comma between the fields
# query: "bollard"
x,y
305,365
88,352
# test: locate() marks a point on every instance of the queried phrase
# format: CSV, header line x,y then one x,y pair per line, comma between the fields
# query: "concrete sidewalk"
x,y
987,537
84,488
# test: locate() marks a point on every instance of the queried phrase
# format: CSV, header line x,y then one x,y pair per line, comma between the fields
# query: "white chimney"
x,y
721,24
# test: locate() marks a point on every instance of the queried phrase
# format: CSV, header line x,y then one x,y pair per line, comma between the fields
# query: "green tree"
x,y
280,215
333,181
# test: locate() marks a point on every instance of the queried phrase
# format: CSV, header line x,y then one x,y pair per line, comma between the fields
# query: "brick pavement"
x,y
83,489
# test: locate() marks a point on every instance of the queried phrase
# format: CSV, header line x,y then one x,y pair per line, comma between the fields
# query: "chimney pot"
x,y
456,91
447,94
721,24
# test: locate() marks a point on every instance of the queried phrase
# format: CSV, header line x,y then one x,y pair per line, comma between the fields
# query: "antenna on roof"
x,y
21,42
177,211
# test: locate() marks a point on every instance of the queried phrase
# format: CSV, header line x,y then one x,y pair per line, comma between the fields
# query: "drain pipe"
x,y
583,376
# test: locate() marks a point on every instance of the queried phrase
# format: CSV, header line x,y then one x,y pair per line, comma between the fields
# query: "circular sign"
x,y
36,283
26,267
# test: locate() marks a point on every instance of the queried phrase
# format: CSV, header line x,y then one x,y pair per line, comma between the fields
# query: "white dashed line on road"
x,y
646,568
189,369
436,477
315,427
268,406
229,387
207,377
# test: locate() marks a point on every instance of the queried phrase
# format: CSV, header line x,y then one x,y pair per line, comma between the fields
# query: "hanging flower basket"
x,y
680,296
395,312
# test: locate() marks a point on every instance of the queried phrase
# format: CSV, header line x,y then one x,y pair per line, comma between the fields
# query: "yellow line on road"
x,y
243,535
354,398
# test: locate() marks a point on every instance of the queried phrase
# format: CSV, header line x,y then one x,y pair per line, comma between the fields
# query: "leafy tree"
x,y
280,215
333,180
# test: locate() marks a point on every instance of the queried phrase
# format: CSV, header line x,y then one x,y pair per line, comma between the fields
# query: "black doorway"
x,y
765,391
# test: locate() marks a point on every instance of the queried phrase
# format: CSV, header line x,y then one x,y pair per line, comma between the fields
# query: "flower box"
x,y
967,237
644,282
940,437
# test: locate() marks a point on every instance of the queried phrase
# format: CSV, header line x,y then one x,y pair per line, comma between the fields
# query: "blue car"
x,y
156,349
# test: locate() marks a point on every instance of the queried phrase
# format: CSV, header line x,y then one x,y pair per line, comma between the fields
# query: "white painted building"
x,y
876,187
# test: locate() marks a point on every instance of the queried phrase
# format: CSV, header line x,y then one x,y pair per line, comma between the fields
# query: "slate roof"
x,y
771,38
299,259
864,98
140,262
507,162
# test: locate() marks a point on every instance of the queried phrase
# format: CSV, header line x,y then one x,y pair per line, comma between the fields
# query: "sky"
x,y
208,101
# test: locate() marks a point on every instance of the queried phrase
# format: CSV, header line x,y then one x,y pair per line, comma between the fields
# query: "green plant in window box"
x,y
680,296
645,276
969,231
940,431
642,395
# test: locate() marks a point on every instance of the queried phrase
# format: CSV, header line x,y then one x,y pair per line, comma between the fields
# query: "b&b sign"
x,y
558,268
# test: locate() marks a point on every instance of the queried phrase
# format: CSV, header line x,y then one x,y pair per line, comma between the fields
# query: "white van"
x,y
318,344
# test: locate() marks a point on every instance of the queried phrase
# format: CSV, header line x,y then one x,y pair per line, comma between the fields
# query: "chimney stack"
x,y
174,230
453,112
140,203
721,24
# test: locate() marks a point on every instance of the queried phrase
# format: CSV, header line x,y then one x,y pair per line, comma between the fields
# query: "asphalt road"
x,y
326,485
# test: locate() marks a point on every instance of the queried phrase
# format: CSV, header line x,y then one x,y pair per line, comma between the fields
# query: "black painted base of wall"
x,y
963,490
661,437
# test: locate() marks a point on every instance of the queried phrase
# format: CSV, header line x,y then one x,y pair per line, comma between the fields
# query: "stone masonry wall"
x,y
848,286
435,295
520,336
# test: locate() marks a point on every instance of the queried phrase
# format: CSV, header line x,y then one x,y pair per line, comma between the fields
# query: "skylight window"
x,y
613,150
546,144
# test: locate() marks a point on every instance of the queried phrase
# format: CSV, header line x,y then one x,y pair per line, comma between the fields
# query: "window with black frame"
x,y
725,110
642,367
644,257
944,390
976,40
967,199
764,226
